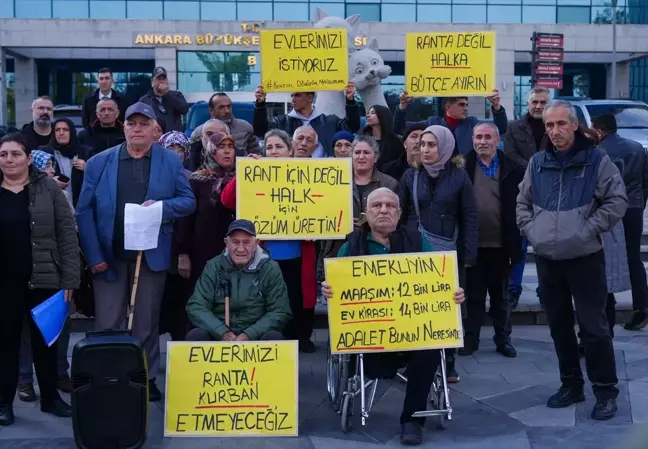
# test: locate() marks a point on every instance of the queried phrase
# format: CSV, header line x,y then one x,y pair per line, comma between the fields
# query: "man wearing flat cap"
x,y
142,172
169,105
250,282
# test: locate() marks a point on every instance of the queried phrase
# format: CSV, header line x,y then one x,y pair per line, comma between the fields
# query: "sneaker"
x,y
26,393
514,299
638,321
604,409
507,350
411,434
565,396
155,394
64,384
452,376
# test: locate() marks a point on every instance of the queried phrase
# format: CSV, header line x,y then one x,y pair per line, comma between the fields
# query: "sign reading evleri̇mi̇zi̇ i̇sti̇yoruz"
x,y
304,60
231,389
399,302
450,64
296,198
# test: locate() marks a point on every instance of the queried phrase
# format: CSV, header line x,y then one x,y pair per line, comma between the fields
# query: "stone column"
x,y
166,57
622,81
26,89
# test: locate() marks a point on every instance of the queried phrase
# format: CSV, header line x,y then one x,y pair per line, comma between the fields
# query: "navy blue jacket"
x,y
445,204
631,159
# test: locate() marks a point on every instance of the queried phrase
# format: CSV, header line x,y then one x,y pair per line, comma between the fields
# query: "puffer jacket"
x,y
631,159
617,272
55,245
564,207
258,297
446,203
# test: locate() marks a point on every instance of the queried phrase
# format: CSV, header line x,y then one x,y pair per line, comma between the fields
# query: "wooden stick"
x,y
227,320
134,291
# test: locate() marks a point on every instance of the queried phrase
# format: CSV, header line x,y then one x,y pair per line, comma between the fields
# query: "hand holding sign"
x,y
494,99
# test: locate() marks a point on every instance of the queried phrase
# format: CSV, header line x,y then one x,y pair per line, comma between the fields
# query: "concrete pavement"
x,y
499,404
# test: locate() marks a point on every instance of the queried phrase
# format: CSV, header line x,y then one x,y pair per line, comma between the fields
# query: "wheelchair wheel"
x,y
334,379
346,412
442,421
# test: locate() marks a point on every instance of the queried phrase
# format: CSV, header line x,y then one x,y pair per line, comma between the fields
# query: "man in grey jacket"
x,y
220,107
631,157
570,195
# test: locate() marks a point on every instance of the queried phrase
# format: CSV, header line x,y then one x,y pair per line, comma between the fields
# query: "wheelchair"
x,y
345,381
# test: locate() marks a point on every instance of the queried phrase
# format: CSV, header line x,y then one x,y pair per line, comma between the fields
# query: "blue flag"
x,y
50,317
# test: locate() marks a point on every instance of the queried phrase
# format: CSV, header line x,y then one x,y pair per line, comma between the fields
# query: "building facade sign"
x,y
245,40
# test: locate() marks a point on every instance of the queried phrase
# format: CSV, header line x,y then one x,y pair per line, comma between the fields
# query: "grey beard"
x,y
42,122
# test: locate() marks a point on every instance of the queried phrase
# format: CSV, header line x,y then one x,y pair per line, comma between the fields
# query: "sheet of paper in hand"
x,y
142,226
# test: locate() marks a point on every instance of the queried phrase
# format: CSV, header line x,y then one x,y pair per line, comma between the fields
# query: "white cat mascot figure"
x,y
366,70
333,102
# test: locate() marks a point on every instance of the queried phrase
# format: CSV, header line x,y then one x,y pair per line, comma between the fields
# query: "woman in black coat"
x,y
447,209
380,126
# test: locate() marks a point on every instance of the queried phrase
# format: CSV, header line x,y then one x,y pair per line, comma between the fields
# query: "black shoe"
x,y
6,415
307,347
514,299
57,407
452,376
411,434
565,397
155,394
64,384
604,409
470,346
638,321
26,393
507,350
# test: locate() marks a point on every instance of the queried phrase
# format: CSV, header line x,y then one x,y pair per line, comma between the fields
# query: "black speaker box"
x,y
110,396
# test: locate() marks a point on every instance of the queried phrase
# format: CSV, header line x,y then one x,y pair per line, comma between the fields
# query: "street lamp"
x,y
614,48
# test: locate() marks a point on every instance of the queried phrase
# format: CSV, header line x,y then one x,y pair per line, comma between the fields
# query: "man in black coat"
x,y
106,131
495,179
631,157
169,105
104,91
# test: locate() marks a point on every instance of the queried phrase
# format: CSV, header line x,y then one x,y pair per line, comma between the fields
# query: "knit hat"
x,y
40,159
342,135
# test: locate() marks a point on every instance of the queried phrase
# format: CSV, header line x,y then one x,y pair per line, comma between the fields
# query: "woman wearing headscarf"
x,y
201,235
173,318
380,126
296,258
438,199
69,158
39,256
342,141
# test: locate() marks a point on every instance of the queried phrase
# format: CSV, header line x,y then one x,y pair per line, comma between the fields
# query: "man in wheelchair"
x,y
381,234
241,295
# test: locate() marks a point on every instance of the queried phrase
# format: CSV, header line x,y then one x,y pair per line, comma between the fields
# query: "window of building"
x,y
538,14
574,2
213,71
504,14
332,9
603,14
6,8
217,10
144,10
445,2
254,11
291,11
434,13
101,9
639,79
468,13
33,9
70,9
573,14
399,12
181,10
368,12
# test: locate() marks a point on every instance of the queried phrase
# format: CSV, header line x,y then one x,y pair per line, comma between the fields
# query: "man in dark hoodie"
x,y
104,91
169,105
39,131
455,118
305,114
106,131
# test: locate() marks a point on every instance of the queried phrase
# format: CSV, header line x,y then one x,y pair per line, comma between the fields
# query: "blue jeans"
x,y
26,367
517,271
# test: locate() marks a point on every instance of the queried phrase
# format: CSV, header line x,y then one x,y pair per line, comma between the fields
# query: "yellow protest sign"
x,y
398,302
450,64
304,60
296,198
231,389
